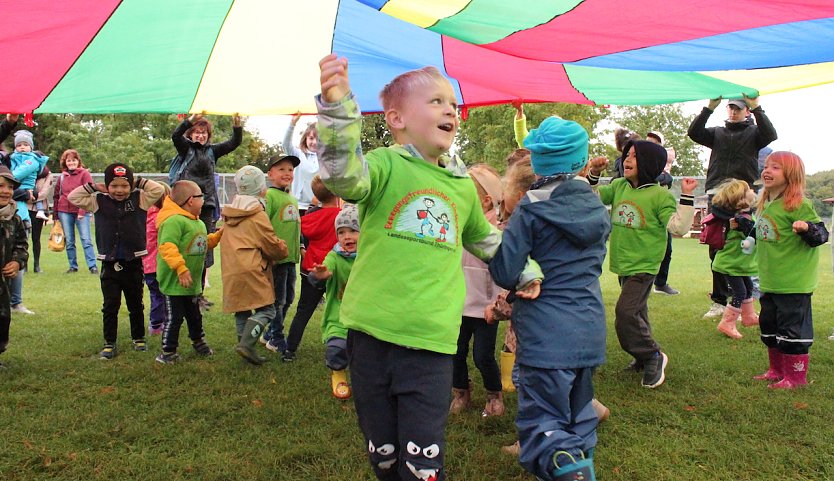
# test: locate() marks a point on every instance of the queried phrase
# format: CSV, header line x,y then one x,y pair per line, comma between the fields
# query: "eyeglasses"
x,y
196,196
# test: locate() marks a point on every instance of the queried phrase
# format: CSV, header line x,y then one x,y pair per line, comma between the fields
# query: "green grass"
x,y
65,415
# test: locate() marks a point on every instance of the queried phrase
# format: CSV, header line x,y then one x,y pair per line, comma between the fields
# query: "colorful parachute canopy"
x,y
260,57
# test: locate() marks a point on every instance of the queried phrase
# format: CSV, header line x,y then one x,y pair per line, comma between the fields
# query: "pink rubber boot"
x,y
749,318
795,369
727,326
774,373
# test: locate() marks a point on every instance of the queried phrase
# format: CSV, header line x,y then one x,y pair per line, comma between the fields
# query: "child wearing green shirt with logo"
x,y
282,210
334,271
641,213
403,304
788,231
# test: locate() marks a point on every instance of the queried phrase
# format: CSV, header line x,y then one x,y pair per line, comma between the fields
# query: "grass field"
x,y
66,415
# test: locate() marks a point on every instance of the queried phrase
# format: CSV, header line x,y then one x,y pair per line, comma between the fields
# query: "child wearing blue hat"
x,y
561,224
641,214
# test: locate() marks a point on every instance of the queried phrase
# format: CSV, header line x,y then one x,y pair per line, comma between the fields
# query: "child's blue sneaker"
x,y
167,357
108,352
572,470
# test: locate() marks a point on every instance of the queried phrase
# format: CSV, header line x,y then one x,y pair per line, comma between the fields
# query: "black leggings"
x,y
37,228
741,288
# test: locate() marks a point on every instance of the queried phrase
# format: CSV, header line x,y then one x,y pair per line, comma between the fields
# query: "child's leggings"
x,y
741,288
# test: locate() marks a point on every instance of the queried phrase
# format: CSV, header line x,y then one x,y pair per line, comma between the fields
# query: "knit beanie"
x,y
24,136
348,217
118,170
558,146
250,180
651,159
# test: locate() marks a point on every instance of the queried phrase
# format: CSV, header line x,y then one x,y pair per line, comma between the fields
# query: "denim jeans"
x,y
69,222
283,276
16,288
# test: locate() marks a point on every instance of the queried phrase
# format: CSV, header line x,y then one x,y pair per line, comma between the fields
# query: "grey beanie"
x,y
250,180
348,217
24,136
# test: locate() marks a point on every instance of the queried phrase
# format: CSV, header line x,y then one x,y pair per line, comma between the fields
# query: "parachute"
x,y
260,57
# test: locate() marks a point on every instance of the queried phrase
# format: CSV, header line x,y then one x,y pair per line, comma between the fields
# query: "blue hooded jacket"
x,y
564,227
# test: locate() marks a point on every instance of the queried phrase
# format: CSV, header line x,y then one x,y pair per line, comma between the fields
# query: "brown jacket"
x,y
248,250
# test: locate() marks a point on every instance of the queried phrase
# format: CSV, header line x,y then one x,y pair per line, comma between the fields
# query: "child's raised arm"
x,y
519,124
151,192
681,221
341,165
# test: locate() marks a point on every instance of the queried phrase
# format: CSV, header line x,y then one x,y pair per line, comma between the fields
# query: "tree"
x,y
487,135
671,123
818,187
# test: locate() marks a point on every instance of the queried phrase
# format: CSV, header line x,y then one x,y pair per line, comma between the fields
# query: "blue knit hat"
x,y
558,146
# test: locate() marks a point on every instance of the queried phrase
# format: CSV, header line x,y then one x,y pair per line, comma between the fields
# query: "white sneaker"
x,y
715,310
21,309
831,337
41,215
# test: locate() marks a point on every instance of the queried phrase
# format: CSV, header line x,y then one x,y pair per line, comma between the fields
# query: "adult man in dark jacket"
x,y
735,149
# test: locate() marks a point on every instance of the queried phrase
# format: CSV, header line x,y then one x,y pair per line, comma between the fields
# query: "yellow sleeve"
x,y
214,238
171,255
520,127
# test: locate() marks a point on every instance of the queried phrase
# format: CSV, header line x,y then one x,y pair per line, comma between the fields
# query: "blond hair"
x,y
731,195
182,190
392,95
519,177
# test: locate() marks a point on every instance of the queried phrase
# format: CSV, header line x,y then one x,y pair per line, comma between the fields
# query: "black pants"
x,y
119,277
483,353
308,300
207,216
662,277
741,288
402,400
632,317
181,308
786,322
720,289
37,228
5,315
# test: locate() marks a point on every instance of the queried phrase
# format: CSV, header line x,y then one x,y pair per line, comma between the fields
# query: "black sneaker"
x,y
94,270
288,356
634,365
167,357
108,352
72,270
140,345
202,348
666,289
655,371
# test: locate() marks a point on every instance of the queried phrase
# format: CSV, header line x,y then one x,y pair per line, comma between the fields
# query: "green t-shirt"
x,y
638,225
282,209
191,239
407,286
787,265
340,267
731,260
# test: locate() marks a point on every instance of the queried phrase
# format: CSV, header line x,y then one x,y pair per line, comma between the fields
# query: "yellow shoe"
x,y
339,384
507,361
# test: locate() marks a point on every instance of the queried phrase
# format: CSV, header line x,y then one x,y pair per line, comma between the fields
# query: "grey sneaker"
x,y
666,289
715,310
655,371
107,352
831,337
20,308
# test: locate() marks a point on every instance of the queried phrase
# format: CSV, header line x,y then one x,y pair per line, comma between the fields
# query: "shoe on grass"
x,y
715,310
72,270
21,309
278,346
167,357
201,348
140,345
654,371
107,352
831,337
287,355
94,270
666,289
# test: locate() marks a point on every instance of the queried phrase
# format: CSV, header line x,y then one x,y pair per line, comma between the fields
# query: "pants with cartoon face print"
x,y
402,400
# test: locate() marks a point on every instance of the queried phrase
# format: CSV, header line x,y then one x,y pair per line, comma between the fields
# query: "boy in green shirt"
x,y
183,244
334,271
641,213
282,210
403,305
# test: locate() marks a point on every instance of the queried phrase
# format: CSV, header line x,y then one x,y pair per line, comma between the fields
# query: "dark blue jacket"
x,y
564,227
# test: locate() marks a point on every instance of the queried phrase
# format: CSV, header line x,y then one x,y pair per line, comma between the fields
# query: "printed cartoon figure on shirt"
x,y
444,227
766,230
423,215
629,215
427,215
290,213
199,245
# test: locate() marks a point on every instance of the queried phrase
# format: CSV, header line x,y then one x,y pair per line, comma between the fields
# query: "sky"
x,y
801,118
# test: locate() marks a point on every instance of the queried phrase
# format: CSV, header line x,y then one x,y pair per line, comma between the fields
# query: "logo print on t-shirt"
x,y
627,214
427,216
198,245
766,229
289,213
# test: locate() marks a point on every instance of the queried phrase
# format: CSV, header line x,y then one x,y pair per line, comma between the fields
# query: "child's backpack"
x,y
178,164
713,232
